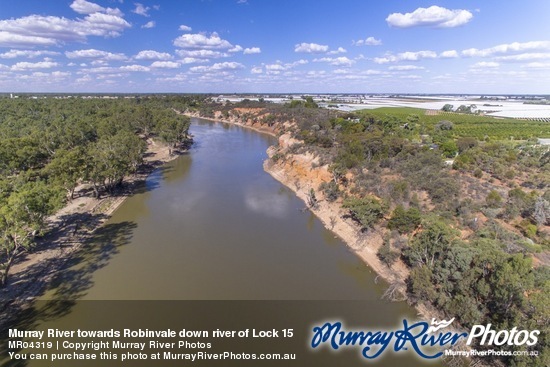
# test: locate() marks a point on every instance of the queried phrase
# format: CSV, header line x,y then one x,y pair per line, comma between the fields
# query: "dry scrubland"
x,y
453,210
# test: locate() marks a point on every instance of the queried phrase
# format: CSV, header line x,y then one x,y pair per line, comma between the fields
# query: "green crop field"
x,y
466,125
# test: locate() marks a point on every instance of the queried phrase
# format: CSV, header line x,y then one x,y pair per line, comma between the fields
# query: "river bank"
x,y
301,173
75,223
69,229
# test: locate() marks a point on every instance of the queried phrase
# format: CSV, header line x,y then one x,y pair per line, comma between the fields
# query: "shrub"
x,y
386,255
404,221
366,211
330,190
493,199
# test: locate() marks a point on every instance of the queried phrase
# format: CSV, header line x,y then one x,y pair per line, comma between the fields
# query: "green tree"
x,y
449,148
404,221
67,168
113,157
22,217
420,284
386,254
310,103
173,128
430,243
366,211
512,278
144,120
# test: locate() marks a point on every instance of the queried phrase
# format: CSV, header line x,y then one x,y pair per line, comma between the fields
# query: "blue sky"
x,y
253,46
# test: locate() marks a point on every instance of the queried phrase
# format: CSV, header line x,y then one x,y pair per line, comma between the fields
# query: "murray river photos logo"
x,y
427,340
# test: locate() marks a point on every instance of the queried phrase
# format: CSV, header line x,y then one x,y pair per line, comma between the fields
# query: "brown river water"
x,y
213,226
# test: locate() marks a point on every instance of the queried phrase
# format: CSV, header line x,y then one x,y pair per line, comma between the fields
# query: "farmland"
x,y
469,125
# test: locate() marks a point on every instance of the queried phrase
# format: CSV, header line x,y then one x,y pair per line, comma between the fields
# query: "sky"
x,y
275,46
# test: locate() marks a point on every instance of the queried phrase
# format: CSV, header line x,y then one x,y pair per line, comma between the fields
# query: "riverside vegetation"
x,y
50,146
462,202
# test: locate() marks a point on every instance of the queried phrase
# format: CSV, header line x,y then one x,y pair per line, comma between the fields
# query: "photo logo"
x,y
429,341
439,325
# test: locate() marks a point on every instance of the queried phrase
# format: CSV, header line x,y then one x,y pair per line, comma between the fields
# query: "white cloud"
x,y
434,16
192,60
150,24
310,48
341,71
107,25
219,67
256,70
84,79
525,57
37,30
279,67
369,41
337,61
134,68
340,50
86,7
450,54
141,9
21,66
95,54
507,48
202,54
252,50
165,65
12,54
185,28
410,77
202,41
176,78
153,55
100,70
237,48
50,78
537,65
405,67
275,67
9,39
405,56
486,64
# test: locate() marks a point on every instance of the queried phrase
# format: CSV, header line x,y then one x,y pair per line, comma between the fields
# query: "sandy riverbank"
x,y
69,229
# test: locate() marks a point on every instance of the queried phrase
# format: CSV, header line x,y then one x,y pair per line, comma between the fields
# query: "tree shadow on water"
x,y
69,284
76,278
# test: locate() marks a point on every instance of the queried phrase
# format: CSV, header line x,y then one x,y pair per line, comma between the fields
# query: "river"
x,y
212,225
